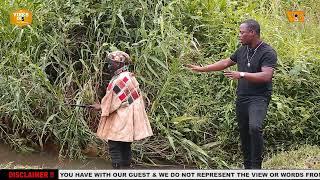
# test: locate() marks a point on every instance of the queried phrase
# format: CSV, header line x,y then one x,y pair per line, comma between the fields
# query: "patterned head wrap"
x,y
119,56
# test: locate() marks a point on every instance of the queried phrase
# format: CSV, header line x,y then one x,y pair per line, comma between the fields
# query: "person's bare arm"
x,y
218,66
260,77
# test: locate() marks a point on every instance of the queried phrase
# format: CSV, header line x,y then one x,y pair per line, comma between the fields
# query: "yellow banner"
x,y
21,17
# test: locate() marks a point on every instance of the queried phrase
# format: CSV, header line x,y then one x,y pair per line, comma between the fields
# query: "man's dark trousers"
x,y
251,111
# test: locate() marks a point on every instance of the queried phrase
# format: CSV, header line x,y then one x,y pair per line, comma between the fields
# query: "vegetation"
x,y
305,157
60,59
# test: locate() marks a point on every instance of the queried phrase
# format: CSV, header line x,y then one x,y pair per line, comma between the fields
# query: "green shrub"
x,y
60,58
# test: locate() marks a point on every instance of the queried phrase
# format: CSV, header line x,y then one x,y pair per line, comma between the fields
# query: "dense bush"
x,y
60,58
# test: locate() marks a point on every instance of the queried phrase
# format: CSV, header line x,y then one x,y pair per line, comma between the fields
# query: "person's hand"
x,y
96,106
194,67
232,74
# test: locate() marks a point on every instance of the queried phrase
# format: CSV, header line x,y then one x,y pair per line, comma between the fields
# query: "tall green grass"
x,y
60,58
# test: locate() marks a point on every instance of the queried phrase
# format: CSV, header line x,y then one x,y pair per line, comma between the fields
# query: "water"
x,y
12,159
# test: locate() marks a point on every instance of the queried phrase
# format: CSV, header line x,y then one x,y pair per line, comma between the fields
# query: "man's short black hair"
x,y
253,25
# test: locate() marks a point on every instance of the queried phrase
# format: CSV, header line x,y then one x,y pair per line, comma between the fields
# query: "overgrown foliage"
x,y
60,58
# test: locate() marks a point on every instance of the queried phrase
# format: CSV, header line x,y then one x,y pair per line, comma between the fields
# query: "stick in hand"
x,y
81,105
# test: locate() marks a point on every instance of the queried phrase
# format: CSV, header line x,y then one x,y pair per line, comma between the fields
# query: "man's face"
x,y
245,35
113,66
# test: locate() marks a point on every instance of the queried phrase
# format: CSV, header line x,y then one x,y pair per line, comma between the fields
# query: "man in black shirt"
x,y
256,61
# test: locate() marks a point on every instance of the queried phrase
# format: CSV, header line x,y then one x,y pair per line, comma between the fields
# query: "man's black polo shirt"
x,y
264,56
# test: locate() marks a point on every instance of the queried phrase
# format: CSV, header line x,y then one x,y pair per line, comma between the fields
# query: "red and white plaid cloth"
x,y
123,117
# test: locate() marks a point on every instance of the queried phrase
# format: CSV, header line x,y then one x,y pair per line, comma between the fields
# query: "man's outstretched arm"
x,y
218,66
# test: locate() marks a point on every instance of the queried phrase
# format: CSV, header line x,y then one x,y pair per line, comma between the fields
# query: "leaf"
x,y
44,127
171,141
194,147
156,60
151,69
211,145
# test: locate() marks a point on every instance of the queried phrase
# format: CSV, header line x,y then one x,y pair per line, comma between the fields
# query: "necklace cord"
x,y
255,50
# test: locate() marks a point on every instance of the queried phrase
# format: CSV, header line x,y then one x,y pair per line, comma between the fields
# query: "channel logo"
x,y
21,17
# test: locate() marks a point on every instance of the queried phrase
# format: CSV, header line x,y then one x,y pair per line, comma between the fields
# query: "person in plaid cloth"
x,y
123,115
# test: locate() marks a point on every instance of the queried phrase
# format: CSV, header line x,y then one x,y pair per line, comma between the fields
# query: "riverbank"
x,y
305,157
